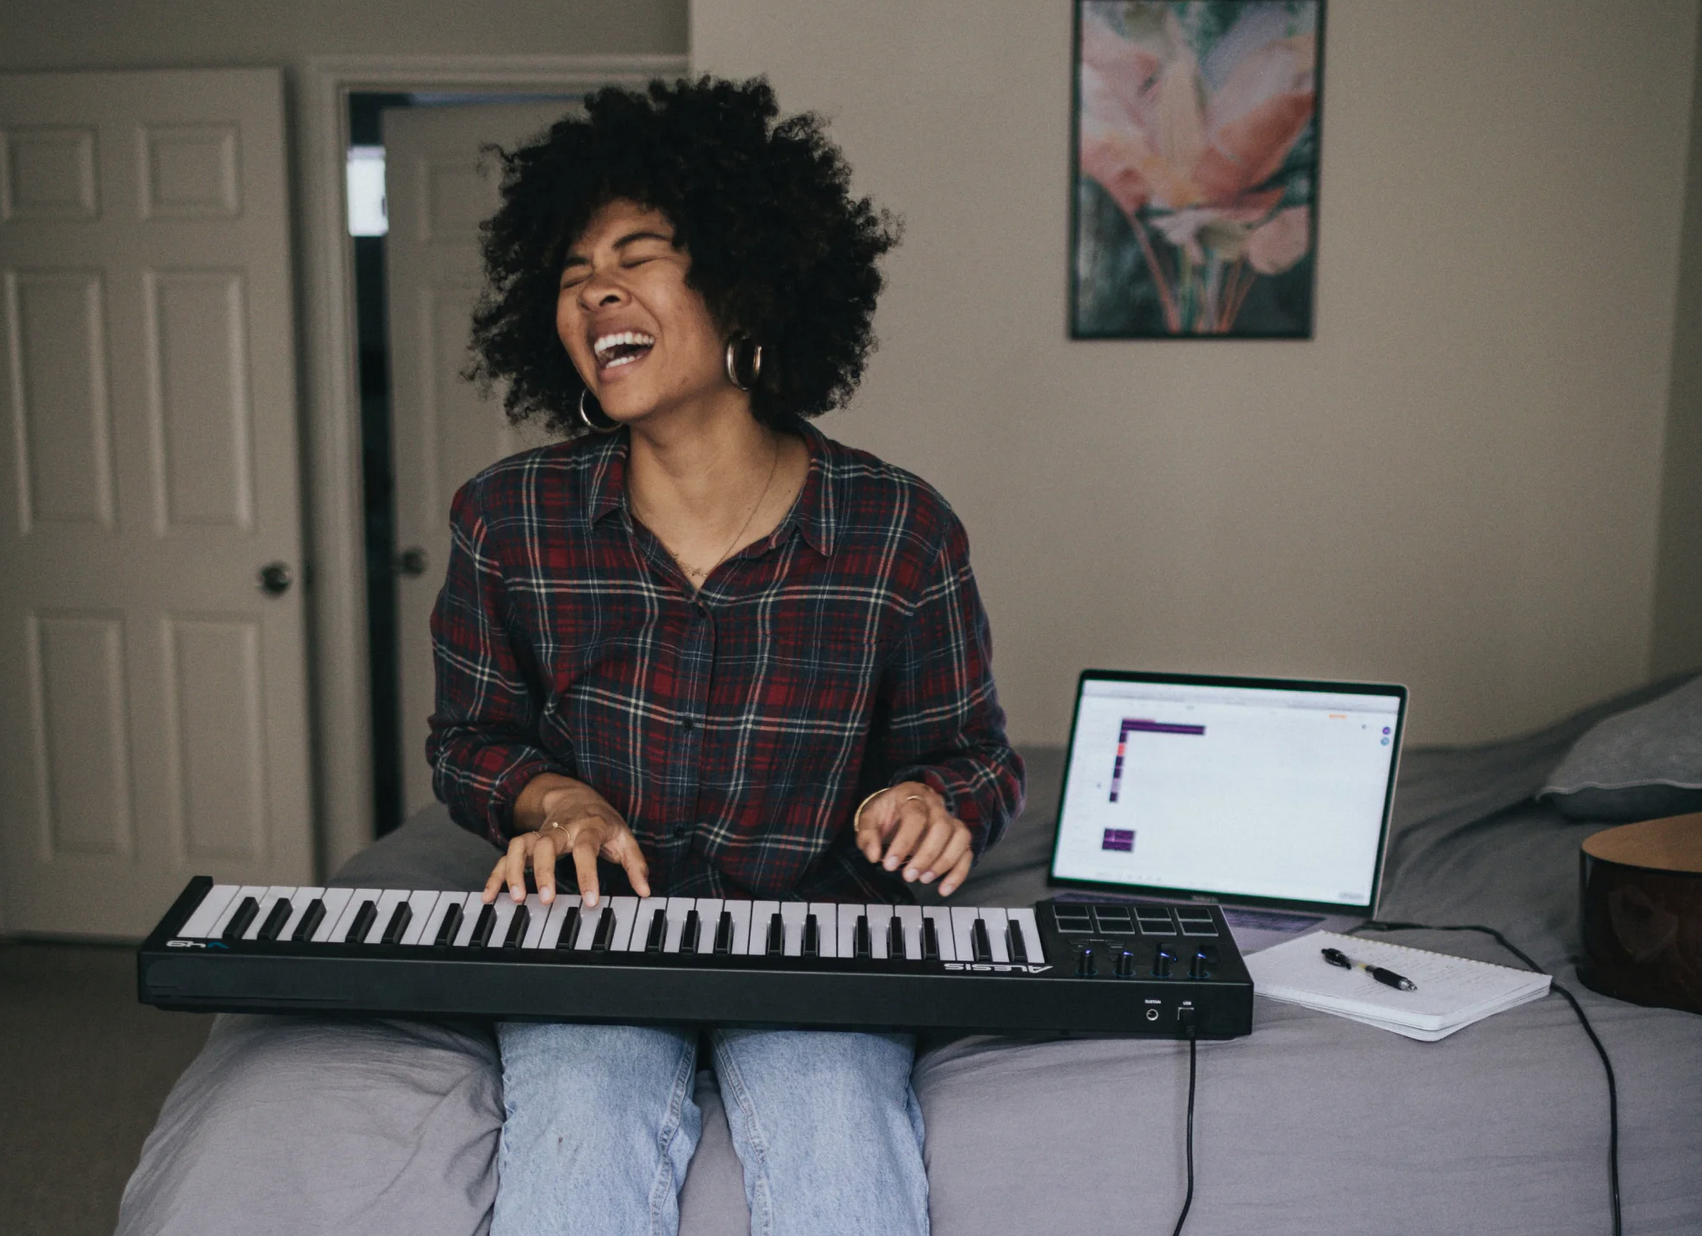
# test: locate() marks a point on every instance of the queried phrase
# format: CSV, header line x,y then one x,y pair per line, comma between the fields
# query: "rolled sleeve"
x,y
483,744
944,726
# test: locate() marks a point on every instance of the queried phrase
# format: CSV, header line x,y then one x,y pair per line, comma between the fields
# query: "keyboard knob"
x,y
1084,961
1125,964
1161,962
1199,967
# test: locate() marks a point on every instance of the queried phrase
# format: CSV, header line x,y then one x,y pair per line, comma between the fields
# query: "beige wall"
x,y
146,34
1455,485
1678,584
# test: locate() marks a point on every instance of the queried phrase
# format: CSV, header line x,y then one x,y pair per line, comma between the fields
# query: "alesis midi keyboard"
x,y
1069,967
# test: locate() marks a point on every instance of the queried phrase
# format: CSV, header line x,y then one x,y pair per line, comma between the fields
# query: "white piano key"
x,y
678,908
911,919
346,920
827,928
962,924
847,933
472,905
708,919
201,919
536,913
994,917
943,932
266,904
792,914
641,925
1024,919
626,918
589,921
433,924
741,914
880,922
549,931
388,900
336,900
423,902
299,901
505,909
255,891
756,941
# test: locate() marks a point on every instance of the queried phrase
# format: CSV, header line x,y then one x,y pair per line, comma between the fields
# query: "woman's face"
x,y
640,336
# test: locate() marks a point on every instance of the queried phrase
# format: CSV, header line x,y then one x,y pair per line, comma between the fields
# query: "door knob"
x,y
274,579
412,562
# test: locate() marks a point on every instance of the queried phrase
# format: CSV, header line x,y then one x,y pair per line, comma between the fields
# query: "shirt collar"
x,y
814,514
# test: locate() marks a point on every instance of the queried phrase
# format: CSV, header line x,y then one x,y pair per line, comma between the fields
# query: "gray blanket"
x,y
1314,1124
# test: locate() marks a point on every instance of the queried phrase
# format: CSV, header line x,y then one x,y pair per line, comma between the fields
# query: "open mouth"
x,y
622,348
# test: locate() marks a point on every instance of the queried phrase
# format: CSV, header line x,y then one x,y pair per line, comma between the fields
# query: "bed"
x,y
1313,1124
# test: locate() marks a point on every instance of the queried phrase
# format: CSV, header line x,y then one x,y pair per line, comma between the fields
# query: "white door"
x,y
153,718
442,432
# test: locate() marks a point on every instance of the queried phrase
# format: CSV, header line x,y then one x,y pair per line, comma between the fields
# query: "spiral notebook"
x,y
1451,992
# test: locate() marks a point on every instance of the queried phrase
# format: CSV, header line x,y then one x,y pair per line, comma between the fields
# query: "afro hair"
x,y
780,249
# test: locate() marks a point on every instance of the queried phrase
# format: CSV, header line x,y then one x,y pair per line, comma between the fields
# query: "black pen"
x,y
1387,977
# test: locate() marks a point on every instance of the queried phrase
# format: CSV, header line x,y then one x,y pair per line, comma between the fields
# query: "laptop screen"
x,y
1263,791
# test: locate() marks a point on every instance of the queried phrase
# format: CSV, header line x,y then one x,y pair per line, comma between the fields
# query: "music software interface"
x,y
1238,790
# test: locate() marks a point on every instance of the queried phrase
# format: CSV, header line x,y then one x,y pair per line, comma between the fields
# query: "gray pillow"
x,y
1638,765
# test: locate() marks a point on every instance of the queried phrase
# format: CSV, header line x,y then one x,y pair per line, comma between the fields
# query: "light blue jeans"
x,y
600,1126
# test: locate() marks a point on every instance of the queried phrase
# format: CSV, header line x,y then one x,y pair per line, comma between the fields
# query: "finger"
x,y
544,864
585,863
869,831
912,819
933,842
518,852
494,884
629,856
955,849
957,875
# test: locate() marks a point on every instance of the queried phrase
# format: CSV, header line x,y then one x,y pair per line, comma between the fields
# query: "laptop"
x,y
1269,796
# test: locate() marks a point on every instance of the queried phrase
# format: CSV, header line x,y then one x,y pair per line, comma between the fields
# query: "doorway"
x,y
407,367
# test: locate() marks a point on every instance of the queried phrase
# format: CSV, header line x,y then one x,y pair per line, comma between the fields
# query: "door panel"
x,y
148,469
442,432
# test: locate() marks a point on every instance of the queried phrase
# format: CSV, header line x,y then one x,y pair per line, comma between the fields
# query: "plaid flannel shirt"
x,y
736,729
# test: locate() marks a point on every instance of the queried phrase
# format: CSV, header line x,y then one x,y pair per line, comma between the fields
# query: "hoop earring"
x,y
731,360
604,422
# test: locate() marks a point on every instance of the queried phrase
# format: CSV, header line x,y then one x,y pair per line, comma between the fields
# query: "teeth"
x,y
634,337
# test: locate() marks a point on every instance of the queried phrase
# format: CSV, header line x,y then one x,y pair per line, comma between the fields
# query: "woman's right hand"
x,y
571,818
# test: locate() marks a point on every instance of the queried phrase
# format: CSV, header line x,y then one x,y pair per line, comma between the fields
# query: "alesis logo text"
x,y
1001,967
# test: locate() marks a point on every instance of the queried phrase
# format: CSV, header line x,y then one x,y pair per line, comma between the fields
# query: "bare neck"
x,y
700,472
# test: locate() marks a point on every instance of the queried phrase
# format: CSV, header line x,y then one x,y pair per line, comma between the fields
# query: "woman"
x,y
703,643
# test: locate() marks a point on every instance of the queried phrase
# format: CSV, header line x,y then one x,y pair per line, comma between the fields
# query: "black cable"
x,y
1193,1048
1607,1065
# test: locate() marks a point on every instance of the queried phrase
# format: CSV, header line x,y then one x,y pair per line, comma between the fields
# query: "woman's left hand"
x,y
907,825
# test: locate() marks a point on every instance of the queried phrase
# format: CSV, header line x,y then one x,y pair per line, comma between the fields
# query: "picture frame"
x,y
1194,168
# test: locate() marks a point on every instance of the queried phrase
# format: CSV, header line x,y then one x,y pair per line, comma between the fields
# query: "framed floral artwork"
x,y
1195,168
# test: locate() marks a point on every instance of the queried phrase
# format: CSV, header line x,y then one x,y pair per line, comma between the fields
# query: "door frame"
x,y
338,652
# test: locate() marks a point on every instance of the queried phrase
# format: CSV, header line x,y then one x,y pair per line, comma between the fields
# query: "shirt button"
x,y
688,724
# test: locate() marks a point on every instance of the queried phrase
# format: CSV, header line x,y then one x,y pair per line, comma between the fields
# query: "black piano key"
x,y
688,933
1015,943
980,947
483,928
724,934
449,926
895,939
517,927
605,934
658,932
569,929
275,920
364,919
310,920
812,936
399,920
930,941
862,943
239,921
776,935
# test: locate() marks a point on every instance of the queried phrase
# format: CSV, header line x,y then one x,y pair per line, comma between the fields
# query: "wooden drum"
x,y
1642,912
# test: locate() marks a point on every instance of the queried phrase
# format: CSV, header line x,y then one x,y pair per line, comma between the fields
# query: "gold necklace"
x,y
691,572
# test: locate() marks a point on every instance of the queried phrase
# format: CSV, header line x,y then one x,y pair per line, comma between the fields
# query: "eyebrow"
x,y
575,259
